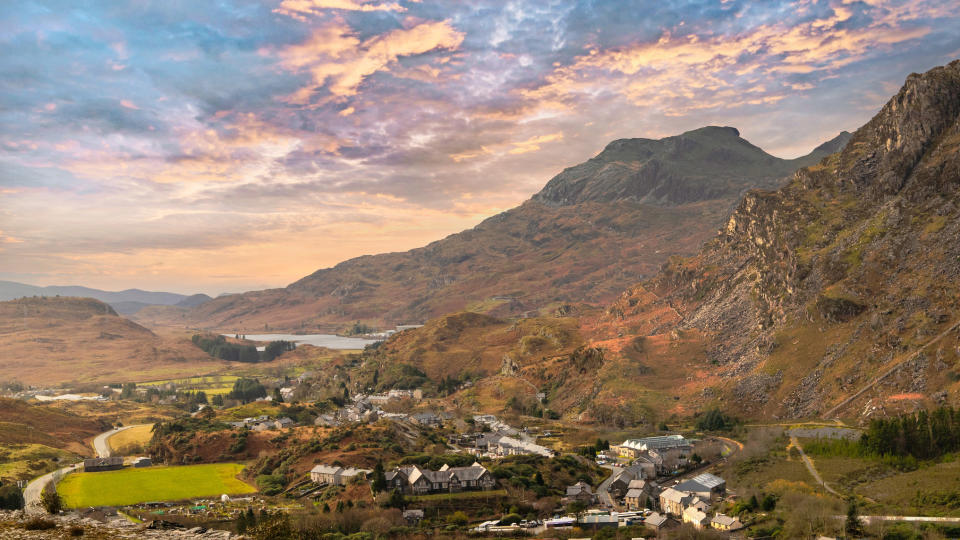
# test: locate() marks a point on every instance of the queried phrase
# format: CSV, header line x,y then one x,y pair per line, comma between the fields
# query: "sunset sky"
x,y
199,146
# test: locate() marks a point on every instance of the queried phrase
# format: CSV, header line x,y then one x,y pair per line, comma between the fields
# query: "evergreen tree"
x,y
853,526
379,482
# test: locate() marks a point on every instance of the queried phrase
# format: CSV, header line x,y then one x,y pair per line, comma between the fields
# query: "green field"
x,y
131,486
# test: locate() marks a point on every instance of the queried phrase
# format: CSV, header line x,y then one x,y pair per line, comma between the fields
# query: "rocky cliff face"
x,y
594,229
849,273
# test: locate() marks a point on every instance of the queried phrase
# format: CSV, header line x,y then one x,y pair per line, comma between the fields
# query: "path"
x,y
809,463
928,519
904,359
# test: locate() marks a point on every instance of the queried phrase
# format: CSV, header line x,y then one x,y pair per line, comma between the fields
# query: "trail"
x,y
810,466
904,359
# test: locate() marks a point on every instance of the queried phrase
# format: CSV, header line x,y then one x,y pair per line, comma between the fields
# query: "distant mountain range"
x,y
125,302
592,231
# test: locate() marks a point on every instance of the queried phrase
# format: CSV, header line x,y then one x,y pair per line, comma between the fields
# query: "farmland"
x,y
131,486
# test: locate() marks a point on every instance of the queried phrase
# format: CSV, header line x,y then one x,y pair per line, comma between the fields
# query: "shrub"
x,y
39,524
11,498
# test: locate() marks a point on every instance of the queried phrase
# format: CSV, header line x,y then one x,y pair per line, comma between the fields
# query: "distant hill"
x,y
127,302
49,341
593,230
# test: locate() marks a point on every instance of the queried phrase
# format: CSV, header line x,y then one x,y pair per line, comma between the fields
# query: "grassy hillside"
x,y
49,341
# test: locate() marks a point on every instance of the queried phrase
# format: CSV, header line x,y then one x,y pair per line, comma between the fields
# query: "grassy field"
x,y
134,436
210,384
131,486
23,461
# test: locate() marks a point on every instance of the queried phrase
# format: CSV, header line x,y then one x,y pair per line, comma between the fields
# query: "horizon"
x,y
194,149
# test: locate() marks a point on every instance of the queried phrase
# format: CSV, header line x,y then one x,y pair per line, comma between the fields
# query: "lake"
x,y
318,340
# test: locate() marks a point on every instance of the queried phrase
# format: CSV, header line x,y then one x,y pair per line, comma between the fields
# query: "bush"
x,y
270,484
11,498
76,530
39,524
50,500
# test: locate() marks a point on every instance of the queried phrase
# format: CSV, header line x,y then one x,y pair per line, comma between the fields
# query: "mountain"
x,y
593,230
49,341
127,302
836,295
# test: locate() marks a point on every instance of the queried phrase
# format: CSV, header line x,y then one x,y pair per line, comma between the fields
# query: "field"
x,y
130,437
210,384
131,486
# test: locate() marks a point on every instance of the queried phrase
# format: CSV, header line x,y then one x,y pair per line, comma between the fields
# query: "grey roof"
x,y
578,488
657,443
634,493
726,520
326,469
655,519
709,480
598,518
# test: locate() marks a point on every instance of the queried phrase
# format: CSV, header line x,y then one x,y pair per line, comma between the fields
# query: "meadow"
x,y
132,486
131,438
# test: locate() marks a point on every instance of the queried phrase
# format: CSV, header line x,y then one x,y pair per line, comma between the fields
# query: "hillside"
x,y
836,295
49,341
593,230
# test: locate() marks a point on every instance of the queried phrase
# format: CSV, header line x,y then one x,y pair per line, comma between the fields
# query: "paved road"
x,y
923,519
603,490
809,463
31,495
101,443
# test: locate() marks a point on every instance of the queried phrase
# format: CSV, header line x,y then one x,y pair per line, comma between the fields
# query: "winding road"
x,y
810,466
31,494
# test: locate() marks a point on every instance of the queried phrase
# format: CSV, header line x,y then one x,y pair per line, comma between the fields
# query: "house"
x,y
656,521
417,481
331,474
580,492
673,502
639,493
326,420
706,486
142,462
508,446
426,419
284,422
671,450
697,518
413,516
287,393
724,522
102,464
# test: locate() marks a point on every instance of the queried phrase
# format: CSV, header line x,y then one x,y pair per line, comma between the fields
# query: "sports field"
x,y
131,486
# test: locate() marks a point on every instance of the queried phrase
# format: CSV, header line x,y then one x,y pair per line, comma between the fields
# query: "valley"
x,y
681,338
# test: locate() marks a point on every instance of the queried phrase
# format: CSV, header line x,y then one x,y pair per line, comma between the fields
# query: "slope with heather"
x,y
836,295
50,341
593,230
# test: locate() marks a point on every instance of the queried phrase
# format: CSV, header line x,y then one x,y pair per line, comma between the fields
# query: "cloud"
x,y
300,9
339,62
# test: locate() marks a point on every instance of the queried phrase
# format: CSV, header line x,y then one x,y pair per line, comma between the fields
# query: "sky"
x,y
200,146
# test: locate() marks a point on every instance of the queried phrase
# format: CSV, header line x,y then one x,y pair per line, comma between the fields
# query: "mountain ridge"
x,y
128,301
535,258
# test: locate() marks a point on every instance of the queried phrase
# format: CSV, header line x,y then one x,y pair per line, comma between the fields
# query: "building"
x,y
707,486
102,464
671,451
580,492
599,521
724,522
426,419
639,492
413,516
673,502
284,422
331,474
698,518
656,521
417,481
142,462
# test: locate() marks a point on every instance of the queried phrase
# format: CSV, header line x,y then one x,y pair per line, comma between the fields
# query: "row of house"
x,y
690,502
264,423
418,481
500,445
665,452
335,475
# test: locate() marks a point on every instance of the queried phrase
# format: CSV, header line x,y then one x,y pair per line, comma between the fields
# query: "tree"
x,y
217,400
277,396
247,390
396,500
379,482
50,500
853,526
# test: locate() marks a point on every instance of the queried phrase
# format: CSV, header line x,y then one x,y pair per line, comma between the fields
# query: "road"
x,y
603,490
809,463
899,364
101,443
31,495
